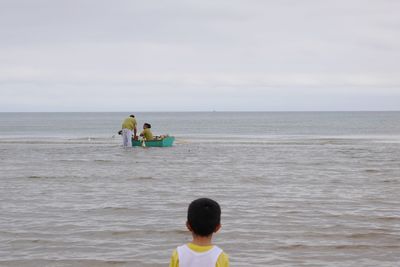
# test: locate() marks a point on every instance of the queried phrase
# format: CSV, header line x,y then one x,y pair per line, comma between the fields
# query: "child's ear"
x,y
189,227
217,228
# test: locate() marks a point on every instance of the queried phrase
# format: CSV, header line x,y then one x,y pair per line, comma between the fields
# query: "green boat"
x,y
161,142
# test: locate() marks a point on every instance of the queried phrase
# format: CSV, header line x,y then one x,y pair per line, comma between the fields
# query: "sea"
x,y
295,188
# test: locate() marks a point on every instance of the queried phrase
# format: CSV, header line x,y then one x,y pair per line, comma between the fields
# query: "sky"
x,y
184,55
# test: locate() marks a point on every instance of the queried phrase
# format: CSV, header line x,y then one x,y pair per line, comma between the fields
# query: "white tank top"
x,y
190,258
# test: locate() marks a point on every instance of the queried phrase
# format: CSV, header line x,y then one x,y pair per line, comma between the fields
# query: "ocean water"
x,y
296,189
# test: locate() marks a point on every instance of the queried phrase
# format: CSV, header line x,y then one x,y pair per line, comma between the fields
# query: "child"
x,y
203,220
147,134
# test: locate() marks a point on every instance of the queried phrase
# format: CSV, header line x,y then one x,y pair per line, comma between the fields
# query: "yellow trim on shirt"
x,y
223,259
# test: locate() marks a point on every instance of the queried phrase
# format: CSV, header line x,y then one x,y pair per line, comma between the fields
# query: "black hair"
x,y
148,125
204,215
133,116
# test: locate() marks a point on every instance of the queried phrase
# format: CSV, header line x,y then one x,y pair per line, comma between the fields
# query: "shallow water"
x,y
296,189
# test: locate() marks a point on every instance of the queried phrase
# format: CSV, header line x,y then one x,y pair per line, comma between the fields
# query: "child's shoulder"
x,y
223,258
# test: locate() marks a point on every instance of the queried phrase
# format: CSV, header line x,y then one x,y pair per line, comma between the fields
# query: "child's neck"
x,y
202,240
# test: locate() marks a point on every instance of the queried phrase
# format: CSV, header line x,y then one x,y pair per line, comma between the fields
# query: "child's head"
x,y
204,217
146,125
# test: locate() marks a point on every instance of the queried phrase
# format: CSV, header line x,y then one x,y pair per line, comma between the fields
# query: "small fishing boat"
x,y
165,141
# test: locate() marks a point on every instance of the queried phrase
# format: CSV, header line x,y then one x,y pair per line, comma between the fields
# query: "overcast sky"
x,y
169,55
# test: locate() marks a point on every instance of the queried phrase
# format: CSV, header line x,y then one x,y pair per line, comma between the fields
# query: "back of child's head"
x,y
147,125
204,215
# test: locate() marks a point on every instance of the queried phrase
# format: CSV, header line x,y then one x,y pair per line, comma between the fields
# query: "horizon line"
x,y
201,111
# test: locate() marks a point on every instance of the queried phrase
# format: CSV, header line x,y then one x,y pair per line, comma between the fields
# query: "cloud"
x,y
181,50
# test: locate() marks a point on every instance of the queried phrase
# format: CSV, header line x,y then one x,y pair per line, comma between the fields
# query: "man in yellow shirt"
x,y
128,125
204,216
147,134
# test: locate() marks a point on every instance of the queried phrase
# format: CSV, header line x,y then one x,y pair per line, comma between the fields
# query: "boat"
x,y
166,141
